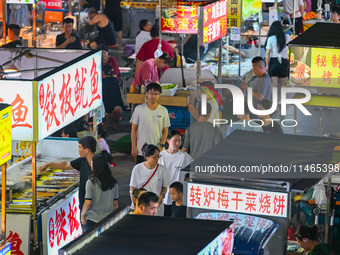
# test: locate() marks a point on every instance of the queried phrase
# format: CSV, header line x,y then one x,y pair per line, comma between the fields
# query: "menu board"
x,y
214,21
6,133
180,16
234,13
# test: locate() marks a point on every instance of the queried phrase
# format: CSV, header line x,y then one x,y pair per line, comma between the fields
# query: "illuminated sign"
x,y
214,21
20,1
69,94
20,96
62,224
53,4
180,16
229,199
18,233
5,133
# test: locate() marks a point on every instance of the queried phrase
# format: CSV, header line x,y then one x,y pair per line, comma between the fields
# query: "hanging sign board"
x,y
5,133
214,21
20,1
234,13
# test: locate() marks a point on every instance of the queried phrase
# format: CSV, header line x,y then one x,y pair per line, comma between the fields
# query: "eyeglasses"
x,y
156,157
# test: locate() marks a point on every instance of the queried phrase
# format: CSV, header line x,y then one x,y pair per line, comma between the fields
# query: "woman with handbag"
x,y
277,55
150,175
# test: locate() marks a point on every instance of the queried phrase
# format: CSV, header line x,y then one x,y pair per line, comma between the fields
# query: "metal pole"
x,y
219,74
239,46
34,15
4,21
181,56
34,194
3,204
328,208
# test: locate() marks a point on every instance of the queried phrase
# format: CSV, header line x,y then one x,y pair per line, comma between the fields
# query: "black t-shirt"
x,y
275,128
13,44
75,45
84,168
178,211
111,94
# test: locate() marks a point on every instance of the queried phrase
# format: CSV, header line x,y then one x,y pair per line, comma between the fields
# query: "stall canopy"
x,y
136,234
249,153
319,35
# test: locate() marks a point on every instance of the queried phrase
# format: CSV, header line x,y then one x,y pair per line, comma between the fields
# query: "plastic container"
x,y
132,89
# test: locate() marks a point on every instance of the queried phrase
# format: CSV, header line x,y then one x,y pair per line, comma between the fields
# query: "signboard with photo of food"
x,y
300,62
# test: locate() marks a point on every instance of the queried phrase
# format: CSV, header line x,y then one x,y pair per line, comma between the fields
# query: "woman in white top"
x,y
277,55
150,175
174,160
143,35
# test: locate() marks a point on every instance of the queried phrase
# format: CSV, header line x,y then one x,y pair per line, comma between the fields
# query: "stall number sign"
x,y
63,224
5,133
234,13
180,16
20,1
325,68
237,200
69,94
214,21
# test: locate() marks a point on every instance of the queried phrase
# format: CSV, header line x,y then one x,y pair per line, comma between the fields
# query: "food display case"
x,y
64,86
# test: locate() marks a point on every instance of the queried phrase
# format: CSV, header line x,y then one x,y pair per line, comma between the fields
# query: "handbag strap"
x,y
150,177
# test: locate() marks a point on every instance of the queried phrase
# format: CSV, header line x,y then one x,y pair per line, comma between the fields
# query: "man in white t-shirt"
x,y
299,10
150,123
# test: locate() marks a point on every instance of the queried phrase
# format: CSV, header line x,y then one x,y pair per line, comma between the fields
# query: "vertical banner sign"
x,y
180,16
20,96
69,94
63,224
325,68
214,21
234,13
5,133
229,199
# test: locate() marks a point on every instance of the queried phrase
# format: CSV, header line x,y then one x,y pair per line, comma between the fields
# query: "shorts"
x,y
114,13
278,70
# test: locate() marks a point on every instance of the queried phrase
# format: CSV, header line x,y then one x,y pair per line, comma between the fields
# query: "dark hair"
x,y
154,86
257,60
103,47
143,23
92,10
81,125
107,69
266,104
149,149
172,133
70,130
101,131
14,28
88,142
307,232
199,109
102,173
276,30
336,9
137,192
154,32
166,58
68,20
177,186
146,198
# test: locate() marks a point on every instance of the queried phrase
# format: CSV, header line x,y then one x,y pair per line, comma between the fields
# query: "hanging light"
x,y
11,71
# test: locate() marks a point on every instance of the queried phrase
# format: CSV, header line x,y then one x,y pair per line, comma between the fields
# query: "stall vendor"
x,y
148,72
106,34
69,39
13,32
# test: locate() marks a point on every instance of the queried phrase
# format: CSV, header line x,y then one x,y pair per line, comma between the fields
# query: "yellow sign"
x,y
5,133
325,68
234,13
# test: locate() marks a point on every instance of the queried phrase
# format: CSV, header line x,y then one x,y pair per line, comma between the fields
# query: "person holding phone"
x,y
69,39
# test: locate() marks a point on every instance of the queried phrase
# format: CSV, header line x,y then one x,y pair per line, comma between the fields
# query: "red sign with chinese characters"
x,y
237,200
214,21
63,224
53,4
180,16
69,94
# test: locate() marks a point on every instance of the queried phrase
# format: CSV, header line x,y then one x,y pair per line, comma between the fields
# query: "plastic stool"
x,y
129,49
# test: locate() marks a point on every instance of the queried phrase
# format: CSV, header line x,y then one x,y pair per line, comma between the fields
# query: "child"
x,y
136,194
178,210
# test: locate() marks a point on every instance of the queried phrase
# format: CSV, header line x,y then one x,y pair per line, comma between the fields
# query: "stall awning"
x,y
244,150
136,234
320,35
